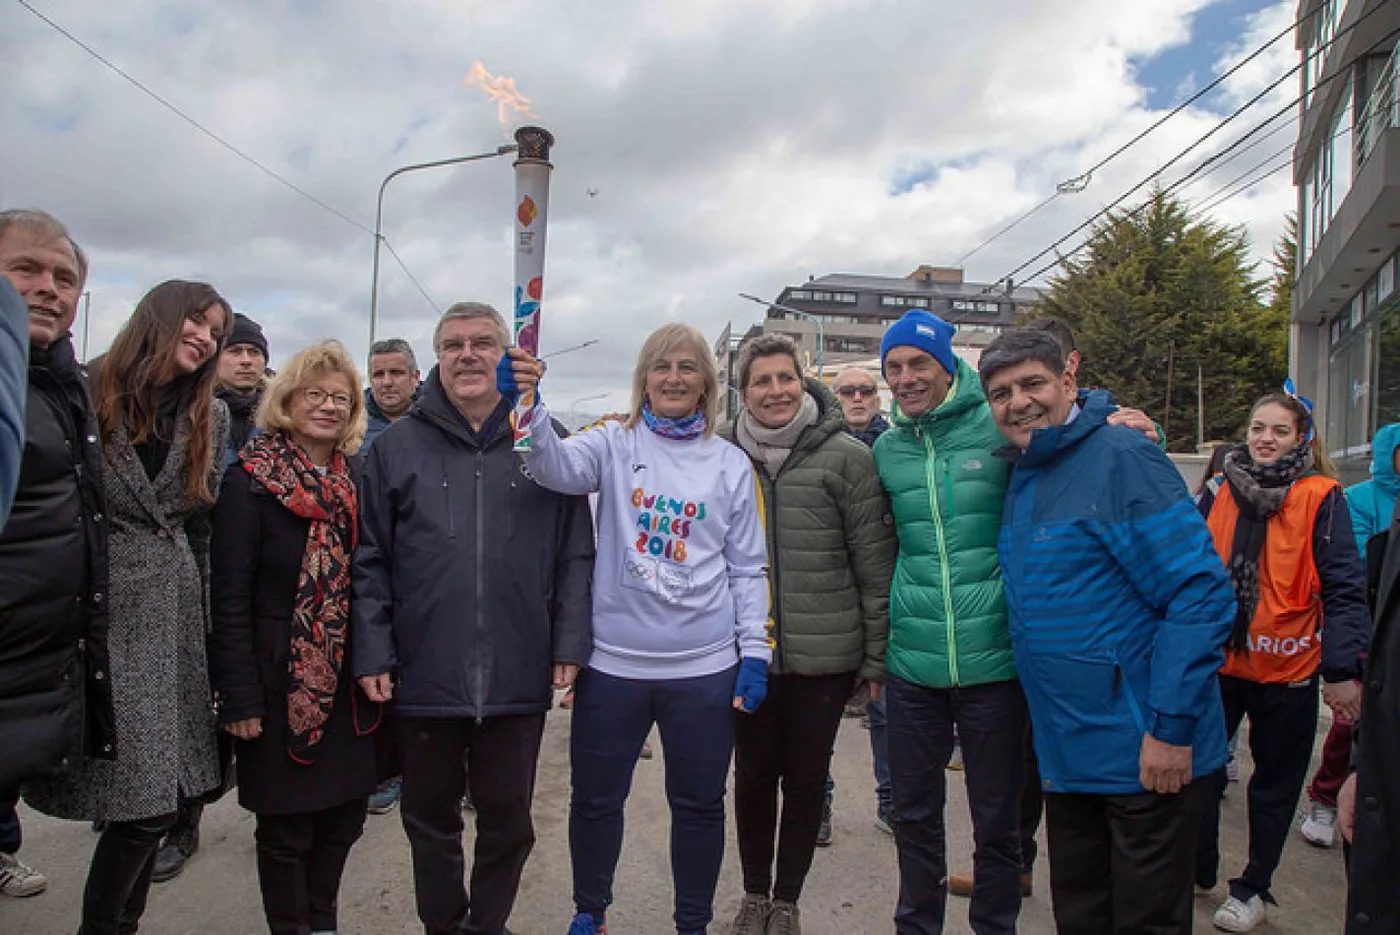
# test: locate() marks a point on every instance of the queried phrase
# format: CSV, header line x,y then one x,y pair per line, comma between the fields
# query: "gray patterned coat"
x,y
159,606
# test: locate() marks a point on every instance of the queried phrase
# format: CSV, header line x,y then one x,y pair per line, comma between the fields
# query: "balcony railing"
x,y
1382,110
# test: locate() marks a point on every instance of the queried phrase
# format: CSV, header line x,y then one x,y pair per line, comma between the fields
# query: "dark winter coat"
x,y
14,361
55,689
471,581
158,541
832,549
242,425
878,426
1373,898
256,558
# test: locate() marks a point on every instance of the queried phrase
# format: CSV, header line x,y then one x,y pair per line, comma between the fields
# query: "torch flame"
x,y
500,89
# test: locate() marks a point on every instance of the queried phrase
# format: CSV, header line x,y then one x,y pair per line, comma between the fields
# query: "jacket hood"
x,y
433,406
1383,458
966,394
1047,443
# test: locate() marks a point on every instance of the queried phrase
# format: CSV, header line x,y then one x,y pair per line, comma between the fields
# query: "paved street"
x,y
851,888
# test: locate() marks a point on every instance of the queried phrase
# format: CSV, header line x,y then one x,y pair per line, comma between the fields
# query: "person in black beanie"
x,y
242,378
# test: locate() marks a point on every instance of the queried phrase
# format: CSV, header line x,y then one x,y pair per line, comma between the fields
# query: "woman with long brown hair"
x,y
161,434
285,528
1280,524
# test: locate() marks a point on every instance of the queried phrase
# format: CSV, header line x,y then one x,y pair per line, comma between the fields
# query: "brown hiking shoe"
x,y
753,915
960,884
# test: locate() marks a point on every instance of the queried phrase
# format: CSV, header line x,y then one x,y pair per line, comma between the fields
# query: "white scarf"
x,y
772,447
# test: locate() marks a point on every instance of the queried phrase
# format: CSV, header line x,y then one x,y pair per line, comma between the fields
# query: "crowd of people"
x,y
335,597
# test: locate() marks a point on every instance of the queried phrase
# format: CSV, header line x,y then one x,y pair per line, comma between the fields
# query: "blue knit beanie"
x,y
927,332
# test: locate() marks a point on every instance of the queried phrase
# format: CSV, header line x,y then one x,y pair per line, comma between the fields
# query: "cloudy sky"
x,y
705,147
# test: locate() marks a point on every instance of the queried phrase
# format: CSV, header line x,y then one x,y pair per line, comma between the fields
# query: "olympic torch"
x,y
532,169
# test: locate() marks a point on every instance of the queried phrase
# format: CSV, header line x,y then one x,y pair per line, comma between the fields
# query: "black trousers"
x,y
786,741
1032,805
991,723
1282,731
1122,863
300,861
500,757
119,878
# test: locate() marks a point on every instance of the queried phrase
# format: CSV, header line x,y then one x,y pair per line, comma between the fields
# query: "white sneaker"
x,y
1236,916
16,879
1319,825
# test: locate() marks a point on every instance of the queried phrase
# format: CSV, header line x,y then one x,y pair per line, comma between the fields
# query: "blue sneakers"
x,y
585,924
384,798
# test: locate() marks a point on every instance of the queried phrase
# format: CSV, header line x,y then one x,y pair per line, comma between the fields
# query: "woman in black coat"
x,y
285,529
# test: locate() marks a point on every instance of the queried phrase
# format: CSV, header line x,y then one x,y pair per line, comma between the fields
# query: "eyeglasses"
x,y
479,346
850,392
317,397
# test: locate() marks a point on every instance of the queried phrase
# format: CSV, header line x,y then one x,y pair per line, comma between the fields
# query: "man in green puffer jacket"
x,y
831,549
949,657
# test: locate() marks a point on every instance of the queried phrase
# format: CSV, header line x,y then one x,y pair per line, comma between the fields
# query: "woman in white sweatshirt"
x,y
680,616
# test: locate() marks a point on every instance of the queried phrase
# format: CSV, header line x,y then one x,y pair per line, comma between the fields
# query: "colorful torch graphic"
x,y
532,170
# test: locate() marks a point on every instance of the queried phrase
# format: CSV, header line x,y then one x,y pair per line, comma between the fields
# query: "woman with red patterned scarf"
x,y
285,529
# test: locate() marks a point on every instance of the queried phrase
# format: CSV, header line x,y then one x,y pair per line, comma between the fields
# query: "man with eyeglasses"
x,y
860,401
472,601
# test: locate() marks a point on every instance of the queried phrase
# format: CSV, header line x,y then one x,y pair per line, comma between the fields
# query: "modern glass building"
x,y
1345,336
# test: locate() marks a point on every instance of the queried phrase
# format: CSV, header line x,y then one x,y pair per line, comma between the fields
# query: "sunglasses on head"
x,y
850,392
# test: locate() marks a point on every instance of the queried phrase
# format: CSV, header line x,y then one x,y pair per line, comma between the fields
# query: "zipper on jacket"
x,y
447,497
931,481
1120,680
480,584
773,570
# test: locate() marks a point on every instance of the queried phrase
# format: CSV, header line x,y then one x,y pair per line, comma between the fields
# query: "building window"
x,y
1387,380
903,301
1385,280
1357,311
1324,30
844,298
800,295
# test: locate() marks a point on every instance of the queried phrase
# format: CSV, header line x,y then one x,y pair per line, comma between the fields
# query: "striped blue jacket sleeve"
x,y
1160,541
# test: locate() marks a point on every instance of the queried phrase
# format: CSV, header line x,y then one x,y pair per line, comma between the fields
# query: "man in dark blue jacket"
x,y
393,386
55,687
1118,608
472,597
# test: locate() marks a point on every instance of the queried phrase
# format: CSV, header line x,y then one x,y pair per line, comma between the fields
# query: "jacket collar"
x,y
829,419
1047,444
433,407
963,396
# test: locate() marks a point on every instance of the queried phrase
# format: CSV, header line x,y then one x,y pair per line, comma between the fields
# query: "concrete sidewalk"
x,y
851,889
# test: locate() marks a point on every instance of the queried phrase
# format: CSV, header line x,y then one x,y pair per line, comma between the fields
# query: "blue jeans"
x,y
880,752
611,719
991,725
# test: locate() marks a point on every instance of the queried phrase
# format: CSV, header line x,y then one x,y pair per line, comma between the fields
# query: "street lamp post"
x,y
821,336
582,399
379,218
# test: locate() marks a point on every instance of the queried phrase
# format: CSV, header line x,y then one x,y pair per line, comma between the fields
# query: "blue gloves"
x,y
752,684
505,380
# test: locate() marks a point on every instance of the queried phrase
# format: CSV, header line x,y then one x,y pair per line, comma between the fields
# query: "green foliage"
x,y
1158,290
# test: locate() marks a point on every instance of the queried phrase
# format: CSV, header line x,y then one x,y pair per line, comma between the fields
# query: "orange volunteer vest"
x,y
1284,639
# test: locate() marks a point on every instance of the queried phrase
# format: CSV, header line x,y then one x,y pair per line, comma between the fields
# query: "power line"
x,y
409,273
1344,70
1268,173
280,179
1081,181
1247,173
1290,125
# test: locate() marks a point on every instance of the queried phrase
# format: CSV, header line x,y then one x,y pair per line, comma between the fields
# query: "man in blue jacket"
x,y
1118,608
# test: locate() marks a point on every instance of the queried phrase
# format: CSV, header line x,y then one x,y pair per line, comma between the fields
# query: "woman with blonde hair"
x,y
285,529
1280,524
680,610
161,431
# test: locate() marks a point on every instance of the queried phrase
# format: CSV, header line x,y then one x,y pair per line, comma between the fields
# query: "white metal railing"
x,y
1382,110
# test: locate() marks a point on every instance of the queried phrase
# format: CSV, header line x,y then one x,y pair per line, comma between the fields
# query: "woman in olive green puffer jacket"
x,y
831,553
